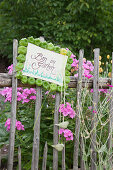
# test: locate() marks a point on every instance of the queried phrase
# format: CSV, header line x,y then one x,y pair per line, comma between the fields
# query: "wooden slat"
x,y
0,158
5,81
82,163
95,108
19,158
78,110
45,157
55,131
36,139
110,130
63,158
13,108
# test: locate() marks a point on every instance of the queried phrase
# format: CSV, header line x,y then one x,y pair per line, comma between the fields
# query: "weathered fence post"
x,y
78,110
44,157
63,158
36,139
95,108
55,131
82,163
13,108
110,130
19,158
0,158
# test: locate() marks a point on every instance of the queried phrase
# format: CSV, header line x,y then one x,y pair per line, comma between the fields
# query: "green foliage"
x,y
74,24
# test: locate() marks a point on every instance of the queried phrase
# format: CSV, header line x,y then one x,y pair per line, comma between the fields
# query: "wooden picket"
x,y
55,131
19,158
110,130
45,157
95,108
36,140
78,112
13,108
79,82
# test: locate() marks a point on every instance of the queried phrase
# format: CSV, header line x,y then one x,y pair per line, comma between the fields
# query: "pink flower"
x,y
10,68
61,108
61,131
94,111
53,96
67,110
47,92
90,108
25,101
32,97
109,85
66,133
18,125
7,124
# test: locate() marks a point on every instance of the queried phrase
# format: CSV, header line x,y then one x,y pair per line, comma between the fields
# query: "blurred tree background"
x,y
86,24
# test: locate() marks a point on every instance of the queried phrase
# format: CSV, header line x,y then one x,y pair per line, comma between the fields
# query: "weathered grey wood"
x,y
0,158
19,158
36,139
78,110
82,163
13,108
55,131
95,108
44,157
5,81
110,129
63,158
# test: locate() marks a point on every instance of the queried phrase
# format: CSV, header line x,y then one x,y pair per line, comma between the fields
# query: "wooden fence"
x,y
95,83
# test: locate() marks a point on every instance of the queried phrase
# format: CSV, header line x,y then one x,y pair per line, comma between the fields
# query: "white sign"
x,y
44,64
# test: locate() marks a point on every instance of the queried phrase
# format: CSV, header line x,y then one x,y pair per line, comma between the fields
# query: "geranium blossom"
x,y
87,67
23,95
66,133
67,110
18,125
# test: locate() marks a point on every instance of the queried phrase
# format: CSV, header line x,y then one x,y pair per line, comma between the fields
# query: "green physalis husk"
x,y
19,75
69,53
31,80
21,58
69,60
56,49
37,41
24,79
59,88
68,67
67,79
23,42
50,46
67,73
53,87
46,85
43,44
19,66
22,50
39,82
31,40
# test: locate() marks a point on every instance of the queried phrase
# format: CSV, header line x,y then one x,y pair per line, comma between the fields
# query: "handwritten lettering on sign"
x,y
44,64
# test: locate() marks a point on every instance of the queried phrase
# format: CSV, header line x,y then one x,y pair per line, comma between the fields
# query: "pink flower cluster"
x,y
67,110
87,67
102,90
66,133
23,95
10,68
18,125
